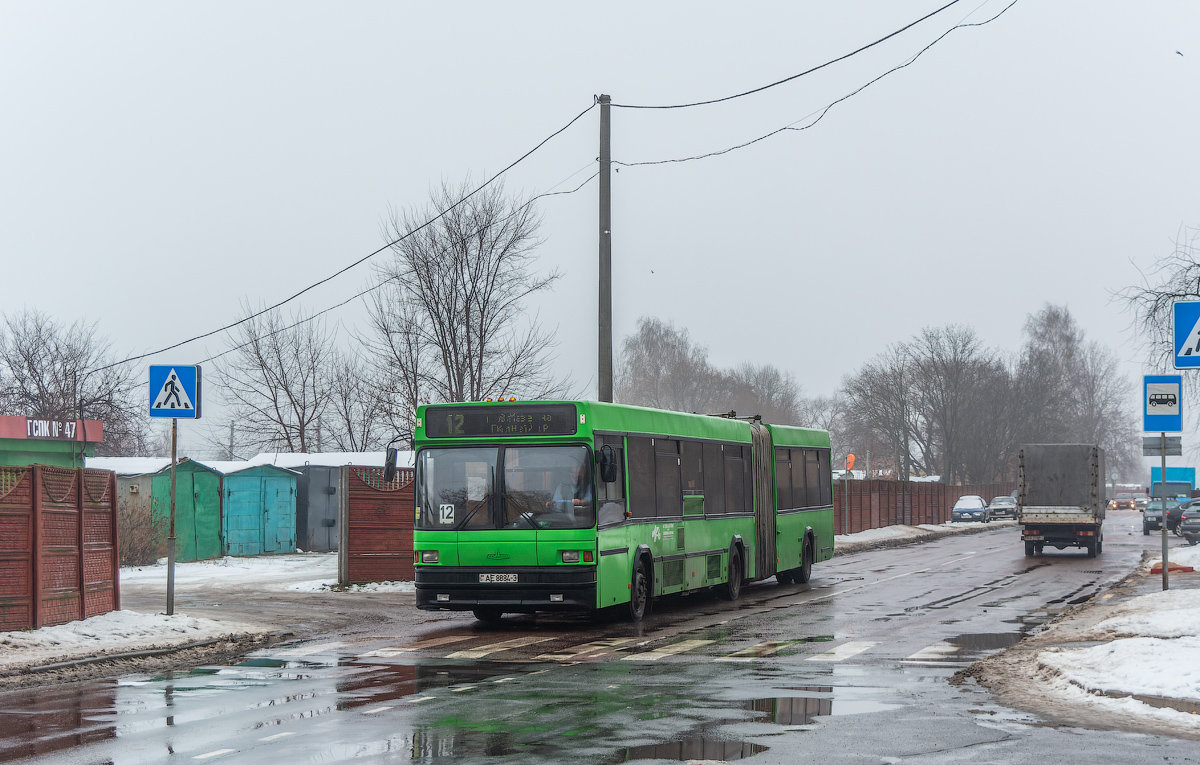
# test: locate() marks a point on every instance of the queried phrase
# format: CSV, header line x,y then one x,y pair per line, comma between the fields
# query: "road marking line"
x,y
460,690
540,671
844,651
309,650
506,645
418,701
376,709
670,650
936,651
504,680
213,754
396,650
769,648
285,734
574,652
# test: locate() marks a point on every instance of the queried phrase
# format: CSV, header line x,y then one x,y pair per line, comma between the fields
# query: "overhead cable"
x,y
817,68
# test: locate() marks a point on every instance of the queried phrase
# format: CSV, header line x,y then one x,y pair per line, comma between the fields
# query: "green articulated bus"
x,y
579,505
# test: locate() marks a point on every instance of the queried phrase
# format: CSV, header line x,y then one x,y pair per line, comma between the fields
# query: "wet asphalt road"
x,y
852,669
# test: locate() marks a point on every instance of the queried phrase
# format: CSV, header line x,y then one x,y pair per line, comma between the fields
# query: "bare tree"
x,y
1173,277
880,407
768,391
277,380
53,371
354,419
945,363
659,366
450,323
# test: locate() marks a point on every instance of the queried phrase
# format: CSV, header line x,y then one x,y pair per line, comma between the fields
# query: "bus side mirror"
x,y
389,465
607,462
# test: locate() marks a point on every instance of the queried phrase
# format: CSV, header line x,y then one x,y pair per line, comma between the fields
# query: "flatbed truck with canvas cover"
x,y
1060,497
580,506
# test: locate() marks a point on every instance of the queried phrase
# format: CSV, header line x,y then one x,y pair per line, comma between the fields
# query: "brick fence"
x,y
58,545
875,504
376,525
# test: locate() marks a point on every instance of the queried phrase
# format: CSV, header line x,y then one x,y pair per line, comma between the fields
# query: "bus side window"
x,y
812,475
611,496
666,470
783,480
799,493
642,498
714,480
691,458
826,478
735,479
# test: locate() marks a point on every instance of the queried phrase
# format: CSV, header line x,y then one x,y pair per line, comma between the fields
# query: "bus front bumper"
x,y
537,588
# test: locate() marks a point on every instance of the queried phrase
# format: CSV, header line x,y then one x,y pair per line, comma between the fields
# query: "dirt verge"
x,y
1019,680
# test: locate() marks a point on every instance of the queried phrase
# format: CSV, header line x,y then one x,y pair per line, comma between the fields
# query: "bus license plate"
x,y
483,578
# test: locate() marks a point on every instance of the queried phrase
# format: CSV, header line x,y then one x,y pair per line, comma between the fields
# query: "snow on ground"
x,y
904,532
1169,614
301,572
1144,665
114,632
259,572
1183,556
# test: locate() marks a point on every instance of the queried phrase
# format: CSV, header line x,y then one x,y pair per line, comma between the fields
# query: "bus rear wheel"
x,y
733,587
639,596
804,573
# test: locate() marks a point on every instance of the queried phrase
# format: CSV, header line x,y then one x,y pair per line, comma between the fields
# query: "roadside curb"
x,y
142,660
926,535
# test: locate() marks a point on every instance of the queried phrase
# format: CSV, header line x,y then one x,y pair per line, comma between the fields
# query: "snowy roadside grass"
x,y
1169,614
114,632
299,572
1060,685
1144,665
321,585
909,532
259,571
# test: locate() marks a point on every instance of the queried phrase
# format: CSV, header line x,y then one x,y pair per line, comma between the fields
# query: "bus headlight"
x,y
429,556
570,556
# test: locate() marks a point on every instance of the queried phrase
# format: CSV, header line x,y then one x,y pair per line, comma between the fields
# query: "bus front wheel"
x,y
639,596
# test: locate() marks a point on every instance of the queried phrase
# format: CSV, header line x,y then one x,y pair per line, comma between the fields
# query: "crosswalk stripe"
x,y
285,734
762,650
217,753
487,650
844,651
934,652
375,710
670,650
396,650
574,652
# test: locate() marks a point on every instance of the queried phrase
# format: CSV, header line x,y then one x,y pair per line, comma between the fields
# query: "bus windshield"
x,y
539,487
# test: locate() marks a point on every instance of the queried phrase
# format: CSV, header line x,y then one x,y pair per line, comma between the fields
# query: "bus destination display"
x,y
474,422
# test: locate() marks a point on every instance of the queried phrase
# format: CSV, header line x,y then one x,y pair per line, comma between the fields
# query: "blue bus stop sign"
x,y
1162,403
175,391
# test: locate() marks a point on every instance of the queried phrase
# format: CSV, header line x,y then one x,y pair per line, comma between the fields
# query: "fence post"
x,y
343,493
36,579
116,541
80,537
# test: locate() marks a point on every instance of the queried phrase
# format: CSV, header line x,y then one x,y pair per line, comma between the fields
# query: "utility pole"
x,y
171,533
605,366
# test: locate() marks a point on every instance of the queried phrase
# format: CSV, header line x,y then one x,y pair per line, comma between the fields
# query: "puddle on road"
x,y
979,643
699,748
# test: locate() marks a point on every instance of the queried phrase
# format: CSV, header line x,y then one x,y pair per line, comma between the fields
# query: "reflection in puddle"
x,y
794,710
693,749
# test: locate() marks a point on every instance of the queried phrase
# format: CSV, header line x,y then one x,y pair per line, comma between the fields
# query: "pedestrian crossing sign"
x,y
1186,320
175,392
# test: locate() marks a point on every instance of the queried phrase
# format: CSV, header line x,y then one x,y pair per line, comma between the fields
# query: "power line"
x,y
364,258
374,287
820,112
817,68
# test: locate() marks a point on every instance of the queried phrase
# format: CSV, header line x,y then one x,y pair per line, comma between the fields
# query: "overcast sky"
x,y
161,163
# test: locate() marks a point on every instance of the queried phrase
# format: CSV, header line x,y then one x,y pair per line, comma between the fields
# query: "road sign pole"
x,y
1162,481
171,533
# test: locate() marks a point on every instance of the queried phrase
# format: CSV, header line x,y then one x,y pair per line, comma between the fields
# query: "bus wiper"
x,y
484,503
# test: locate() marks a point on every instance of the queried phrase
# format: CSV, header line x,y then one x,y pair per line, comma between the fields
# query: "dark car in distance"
x,y
970,507
1002,507
1125,501
1152,516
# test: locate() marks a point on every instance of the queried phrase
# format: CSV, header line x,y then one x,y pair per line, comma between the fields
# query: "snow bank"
x,y
908,532
320,585
1170,614
1147,666
301,572
1183,556
114,632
